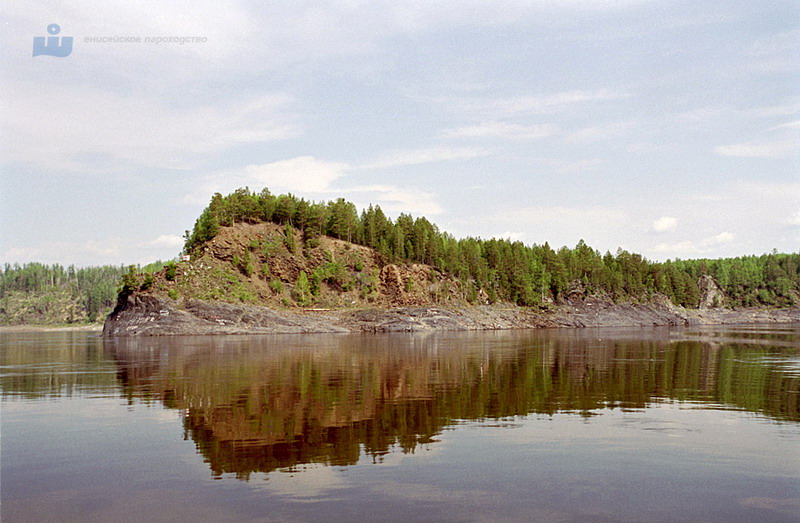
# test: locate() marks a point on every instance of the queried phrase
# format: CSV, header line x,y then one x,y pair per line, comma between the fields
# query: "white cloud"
x,y
723,237
513,236
315,178
703,113
80,128
790,125
599,132
776,53
578,166
786,109
775,149
395,200
665,223
700,247
165,240
561,214
302,174
681,249
420,156
500,130
552,103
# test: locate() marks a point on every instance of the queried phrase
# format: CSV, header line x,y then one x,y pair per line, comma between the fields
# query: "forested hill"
x,y
499,270
39,294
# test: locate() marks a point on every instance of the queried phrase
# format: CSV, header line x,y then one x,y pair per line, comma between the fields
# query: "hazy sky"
x,y
671,129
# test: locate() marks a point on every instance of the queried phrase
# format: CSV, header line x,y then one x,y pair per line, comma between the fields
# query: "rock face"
x,y
711,295
144,314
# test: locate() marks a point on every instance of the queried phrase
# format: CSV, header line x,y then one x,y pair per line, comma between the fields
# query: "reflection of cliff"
x,y
259,404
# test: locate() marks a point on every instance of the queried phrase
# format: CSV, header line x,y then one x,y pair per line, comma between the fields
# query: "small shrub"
x,y
288,238
148,282
276,286
302,290
173,293
172,271
129,282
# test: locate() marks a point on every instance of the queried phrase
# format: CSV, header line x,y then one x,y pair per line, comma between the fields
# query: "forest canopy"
x,y
508,270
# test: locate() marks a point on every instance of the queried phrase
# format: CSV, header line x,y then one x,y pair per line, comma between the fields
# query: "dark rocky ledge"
x,y
144,314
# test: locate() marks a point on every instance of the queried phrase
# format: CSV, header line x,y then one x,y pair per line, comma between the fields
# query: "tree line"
x,y
41,293
506,270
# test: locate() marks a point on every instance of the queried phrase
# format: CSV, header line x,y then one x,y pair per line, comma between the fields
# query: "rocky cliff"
x,y
263,278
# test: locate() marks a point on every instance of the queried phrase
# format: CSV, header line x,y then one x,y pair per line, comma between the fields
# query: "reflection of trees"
x,y
262,403
27,366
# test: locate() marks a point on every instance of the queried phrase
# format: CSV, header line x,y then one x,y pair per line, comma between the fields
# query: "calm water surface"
x,y
691,424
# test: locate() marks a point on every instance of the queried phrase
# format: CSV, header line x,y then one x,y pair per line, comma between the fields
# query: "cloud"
x,y
500,130
678,249
776,149
695,248
578,166
80,129
394,199
314,178
776,53
600,132
165,240
69,253
302,174
665,223
512,236
723,237
552,103
420,156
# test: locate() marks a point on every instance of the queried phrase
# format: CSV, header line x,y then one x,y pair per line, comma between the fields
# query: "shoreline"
x,y
92,327
151,315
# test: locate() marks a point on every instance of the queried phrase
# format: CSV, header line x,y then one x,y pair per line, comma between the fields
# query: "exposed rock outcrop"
x,y
149,315
711,294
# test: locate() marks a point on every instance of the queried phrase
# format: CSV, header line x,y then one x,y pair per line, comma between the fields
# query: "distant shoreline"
x,y
91,327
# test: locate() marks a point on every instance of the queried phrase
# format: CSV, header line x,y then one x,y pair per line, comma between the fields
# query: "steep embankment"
x,y
262,278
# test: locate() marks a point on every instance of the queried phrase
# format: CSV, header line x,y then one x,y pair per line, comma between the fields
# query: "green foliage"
x,y
504,270
39,293
173,293
288,238
302,290
171,271
276,285
129,282
148,282
246,264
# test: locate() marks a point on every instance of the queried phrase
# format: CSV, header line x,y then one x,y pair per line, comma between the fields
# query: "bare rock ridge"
x,y
150,315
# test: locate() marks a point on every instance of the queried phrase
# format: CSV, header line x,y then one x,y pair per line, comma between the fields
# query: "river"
x,y
653,424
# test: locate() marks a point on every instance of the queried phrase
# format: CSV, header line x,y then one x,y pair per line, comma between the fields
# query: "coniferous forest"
x,y
509,271
36,293
506,271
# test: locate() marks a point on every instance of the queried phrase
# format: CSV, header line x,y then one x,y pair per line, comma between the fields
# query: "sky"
x,y
670,129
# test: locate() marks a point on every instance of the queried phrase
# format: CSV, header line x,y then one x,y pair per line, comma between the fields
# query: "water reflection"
x,y
257,404
35,365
